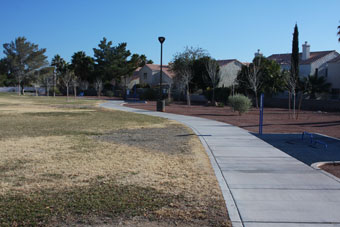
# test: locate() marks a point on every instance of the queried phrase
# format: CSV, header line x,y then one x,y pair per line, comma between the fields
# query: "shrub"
x,y
149,94
240,103
221,94
220,104
109,93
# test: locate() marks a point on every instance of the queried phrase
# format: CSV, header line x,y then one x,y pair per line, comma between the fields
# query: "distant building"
x,y
231,67
150,74
309,61
334,75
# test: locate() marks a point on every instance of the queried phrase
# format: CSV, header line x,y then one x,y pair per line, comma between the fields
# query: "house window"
x,y
145,76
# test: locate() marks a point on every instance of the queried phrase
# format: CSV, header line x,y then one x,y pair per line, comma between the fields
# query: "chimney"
x,y
305,51
258,53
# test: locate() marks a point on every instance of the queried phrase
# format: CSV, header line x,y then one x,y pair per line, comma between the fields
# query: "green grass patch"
x,y
80,205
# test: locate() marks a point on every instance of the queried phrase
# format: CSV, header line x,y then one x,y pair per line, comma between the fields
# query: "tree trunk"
x,y
294,103
75,91
36,91
300,103
54,84
19,89
256,101
169,93
213,97
188,97
67,92
289,103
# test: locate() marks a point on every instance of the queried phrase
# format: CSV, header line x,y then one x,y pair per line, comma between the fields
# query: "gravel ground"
x,y
332,169
275,120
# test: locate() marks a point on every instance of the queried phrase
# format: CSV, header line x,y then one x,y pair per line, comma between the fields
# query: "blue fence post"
x,y
261,114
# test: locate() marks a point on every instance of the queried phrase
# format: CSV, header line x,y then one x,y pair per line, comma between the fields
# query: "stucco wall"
x,y
165,79
334,74
321,64
148,71
231,70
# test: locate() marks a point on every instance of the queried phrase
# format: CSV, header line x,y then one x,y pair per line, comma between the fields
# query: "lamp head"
x,y
161,39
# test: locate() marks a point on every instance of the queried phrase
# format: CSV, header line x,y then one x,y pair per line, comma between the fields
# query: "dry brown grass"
x,y
62,158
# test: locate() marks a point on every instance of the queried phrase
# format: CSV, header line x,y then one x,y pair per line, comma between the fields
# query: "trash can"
x,y
161,105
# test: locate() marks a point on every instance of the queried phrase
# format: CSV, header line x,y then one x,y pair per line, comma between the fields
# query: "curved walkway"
x,y
262,186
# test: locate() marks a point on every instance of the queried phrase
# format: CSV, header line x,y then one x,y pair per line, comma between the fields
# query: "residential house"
x,y
309,63
150,74
334,75
230,69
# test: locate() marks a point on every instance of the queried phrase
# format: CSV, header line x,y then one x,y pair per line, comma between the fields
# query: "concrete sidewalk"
x,y
262,186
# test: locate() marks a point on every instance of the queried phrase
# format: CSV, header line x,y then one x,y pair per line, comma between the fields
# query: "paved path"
x,y
262,186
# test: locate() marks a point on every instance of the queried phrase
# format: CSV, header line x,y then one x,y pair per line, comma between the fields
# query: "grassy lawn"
x,y
73,163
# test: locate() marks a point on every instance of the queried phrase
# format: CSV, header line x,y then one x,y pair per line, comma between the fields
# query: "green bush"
x,y
221,94
149,94
239,103
220,104
109,93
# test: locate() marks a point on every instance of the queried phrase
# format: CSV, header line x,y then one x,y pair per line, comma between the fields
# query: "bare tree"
x,y
291,84
98,85
212,68
75,83
67,78
253,76
183,67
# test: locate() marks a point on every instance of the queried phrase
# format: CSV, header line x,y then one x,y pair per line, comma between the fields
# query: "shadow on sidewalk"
x,y
303,150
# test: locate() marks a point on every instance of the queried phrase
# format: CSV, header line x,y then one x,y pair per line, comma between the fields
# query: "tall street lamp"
x,y
161,101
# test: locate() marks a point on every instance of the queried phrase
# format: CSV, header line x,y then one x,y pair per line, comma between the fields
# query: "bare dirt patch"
x,y
175,141
275,120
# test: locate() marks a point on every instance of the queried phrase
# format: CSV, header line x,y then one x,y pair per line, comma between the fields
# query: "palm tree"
x,y
339,33
316,84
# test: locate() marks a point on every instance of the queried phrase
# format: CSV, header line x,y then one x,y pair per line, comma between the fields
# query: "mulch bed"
x,y
276,120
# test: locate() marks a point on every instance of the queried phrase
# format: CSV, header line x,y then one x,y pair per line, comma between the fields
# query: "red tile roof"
x,y
165,68
284,59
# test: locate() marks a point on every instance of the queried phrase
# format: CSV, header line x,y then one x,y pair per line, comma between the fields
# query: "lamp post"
x,y
161,102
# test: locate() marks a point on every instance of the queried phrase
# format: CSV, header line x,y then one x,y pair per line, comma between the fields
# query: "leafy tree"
x,y
59,63
200,79
183,67
294,69
83,66
261,76
4,71
111,61
24,58
316,84
273,81
140,60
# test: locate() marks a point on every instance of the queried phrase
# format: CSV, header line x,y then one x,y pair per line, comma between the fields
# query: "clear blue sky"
x,y
225,28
